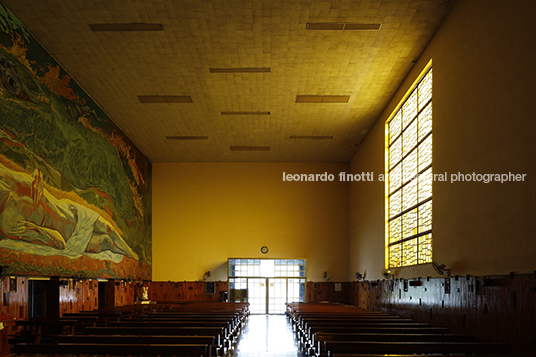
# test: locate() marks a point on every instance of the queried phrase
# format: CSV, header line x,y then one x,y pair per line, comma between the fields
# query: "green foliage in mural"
x,y
50,125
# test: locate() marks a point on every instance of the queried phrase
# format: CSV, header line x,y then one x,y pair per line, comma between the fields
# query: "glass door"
x,y
295,290
277,295
267,284
257,295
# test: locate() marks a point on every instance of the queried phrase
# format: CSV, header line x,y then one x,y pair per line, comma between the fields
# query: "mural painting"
x,y
75,193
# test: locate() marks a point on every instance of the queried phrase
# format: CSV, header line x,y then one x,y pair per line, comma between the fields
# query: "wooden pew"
x,y
137,330
305,323
311,328
217,333
305,315
302,320
322,338
214,342
210,307
205,328
122,339
231,322
337,330
115,349
421,355
170,323
394,337
332,347
302,317
351,314
237,312
193,315
102,318
82,321
34,329
232,319
312,318
226,335
396,329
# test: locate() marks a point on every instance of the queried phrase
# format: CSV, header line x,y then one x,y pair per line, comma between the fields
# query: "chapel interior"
x,y
183,152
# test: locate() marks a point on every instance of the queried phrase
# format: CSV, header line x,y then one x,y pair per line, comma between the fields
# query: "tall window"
x,y
409,187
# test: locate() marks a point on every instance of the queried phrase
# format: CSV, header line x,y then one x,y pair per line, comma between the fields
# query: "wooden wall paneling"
x,y
167,291
499,308
334,295
173,292
316,293
182,291
82,291
309,296
68,296
152,290
14,296
221,288
110,295
185,291
190,289
322,291
92,299
325,291
176,292
119,293
119,296
127,292
201,292
80,296
527,306
155,290
161,291
95,302
341,296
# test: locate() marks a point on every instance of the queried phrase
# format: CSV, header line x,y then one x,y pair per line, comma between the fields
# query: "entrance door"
x,y
267,284
257,295
277,295
267,295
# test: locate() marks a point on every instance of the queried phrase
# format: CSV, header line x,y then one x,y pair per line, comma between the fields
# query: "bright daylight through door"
x,y
267,284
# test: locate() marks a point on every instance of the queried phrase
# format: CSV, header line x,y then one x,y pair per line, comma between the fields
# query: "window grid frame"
x,y
400,260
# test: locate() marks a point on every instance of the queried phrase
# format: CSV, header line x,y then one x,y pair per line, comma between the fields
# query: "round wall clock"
x,y
264,250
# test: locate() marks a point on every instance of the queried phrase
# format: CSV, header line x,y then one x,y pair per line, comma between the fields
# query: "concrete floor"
x,y
267,336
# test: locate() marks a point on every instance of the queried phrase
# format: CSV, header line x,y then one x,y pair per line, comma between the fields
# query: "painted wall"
x,y
205,213
483,102
74,191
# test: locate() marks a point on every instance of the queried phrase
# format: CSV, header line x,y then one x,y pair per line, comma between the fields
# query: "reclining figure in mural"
x,y
29,213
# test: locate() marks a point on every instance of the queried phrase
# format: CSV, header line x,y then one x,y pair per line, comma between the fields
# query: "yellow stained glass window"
x,y
409,172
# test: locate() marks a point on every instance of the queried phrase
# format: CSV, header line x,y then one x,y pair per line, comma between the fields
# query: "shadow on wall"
x,y
218,273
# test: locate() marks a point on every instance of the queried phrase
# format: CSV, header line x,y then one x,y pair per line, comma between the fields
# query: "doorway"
x,y
267,284
37,298
102,294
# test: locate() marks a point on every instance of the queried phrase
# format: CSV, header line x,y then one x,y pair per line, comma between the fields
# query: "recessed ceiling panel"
x,y
126,27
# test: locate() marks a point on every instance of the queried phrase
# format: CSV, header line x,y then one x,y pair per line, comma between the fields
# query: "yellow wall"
x,y
484,84
204,213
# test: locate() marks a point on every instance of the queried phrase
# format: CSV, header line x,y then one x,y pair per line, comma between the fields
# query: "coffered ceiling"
x,y
237,80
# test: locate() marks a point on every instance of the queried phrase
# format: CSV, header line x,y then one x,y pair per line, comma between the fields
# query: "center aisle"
x,y
267,336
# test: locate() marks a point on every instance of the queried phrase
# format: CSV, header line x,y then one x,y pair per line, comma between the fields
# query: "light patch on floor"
x,y
267,336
